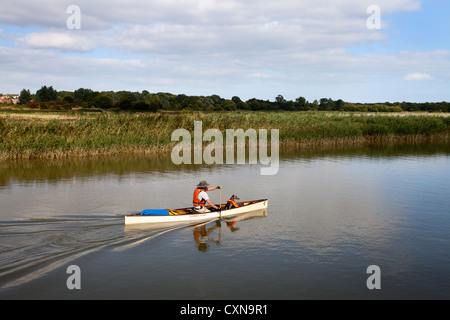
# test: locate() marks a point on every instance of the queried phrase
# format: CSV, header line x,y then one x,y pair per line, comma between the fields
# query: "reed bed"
x,y
113,133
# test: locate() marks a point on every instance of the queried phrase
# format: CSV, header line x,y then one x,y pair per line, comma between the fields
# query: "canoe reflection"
x,y
204,234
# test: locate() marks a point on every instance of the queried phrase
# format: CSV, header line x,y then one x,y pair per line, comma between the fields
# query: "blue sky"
x,y
426,29
247,48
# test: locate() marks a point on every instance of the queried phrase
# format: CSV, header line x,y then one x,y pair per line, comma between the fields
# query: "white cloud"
x,y
64,41
107,13
316,71
208,46
417,76
178,39
196,26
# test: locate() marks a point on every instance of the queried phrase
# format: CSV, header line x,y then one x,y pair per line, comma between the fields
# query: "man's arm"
x,y
212,204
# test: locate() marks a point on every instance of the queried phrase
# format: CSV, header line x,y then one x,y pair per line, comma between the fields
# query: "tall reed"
x,y
126,132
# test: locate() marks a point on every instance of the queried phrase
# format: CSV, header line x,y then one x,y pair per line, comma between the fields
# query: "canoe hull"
x,y
198,217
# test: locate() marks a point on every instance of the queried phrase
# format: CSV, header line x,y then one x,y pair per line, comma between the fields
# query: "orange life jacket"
x,y
196,201
233,203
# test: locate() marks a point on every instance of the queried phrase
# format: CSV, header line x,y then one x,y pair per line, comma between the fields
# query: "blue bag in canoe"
x,y
155,212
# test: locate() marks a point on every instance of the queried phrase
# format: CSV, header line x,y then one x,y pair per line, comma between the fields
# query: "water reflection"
x,y
54,170
205,235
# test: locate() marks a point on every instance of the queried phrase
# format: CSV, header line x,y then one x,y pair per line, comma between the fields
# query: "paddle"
x,y
220,201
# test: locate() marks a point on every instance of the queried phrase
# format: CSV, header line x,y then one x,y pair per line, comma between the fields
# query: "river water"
x,y
331,215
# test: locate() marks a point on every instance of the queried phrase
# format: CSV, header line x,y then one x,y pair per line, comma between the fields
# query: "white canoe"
x,y
183,215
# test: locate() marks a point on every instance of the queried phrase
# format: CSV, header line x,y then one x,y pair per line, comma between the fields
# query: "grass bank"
x,y
83,135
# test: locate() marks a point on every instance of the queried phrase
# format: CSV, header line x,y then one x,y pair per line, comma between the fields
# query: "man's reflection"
x,y
203,235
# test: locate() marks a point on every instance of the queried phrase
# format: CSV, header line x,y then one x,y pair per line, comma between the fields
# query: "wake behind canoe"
x,y
185,215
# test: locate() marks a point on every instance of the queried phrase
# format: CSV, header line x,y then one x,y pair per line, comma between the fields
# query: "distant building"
x,y
9,98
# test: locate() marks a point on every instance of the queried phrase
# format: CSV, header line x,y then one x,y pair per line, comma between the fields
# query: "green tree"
x,y
236,99
257,104
125,104
339,104
155,103
25,96
46,94
301,104
280,100
242,105
103,101
228,105
216,100
326,104
82,95
141,105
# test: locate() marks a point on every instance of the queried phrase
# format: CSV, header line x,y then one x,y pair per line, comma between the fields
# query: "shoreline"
x,y
119,134
326,144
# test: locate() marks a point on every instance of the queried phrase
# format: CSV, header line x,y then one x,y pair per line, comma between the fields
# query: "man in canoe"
x,y
201,197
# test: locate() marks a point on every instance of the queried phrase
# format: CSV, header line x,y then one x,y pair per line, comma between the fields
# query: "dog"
x,y
231,203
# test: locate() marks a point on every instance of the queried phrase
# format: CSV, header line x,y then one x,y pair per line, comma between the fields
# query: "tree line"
x,y
49,98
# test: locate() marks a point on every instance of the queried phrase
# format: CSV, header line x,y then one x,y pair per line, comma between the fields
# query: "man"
x,y
201,197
